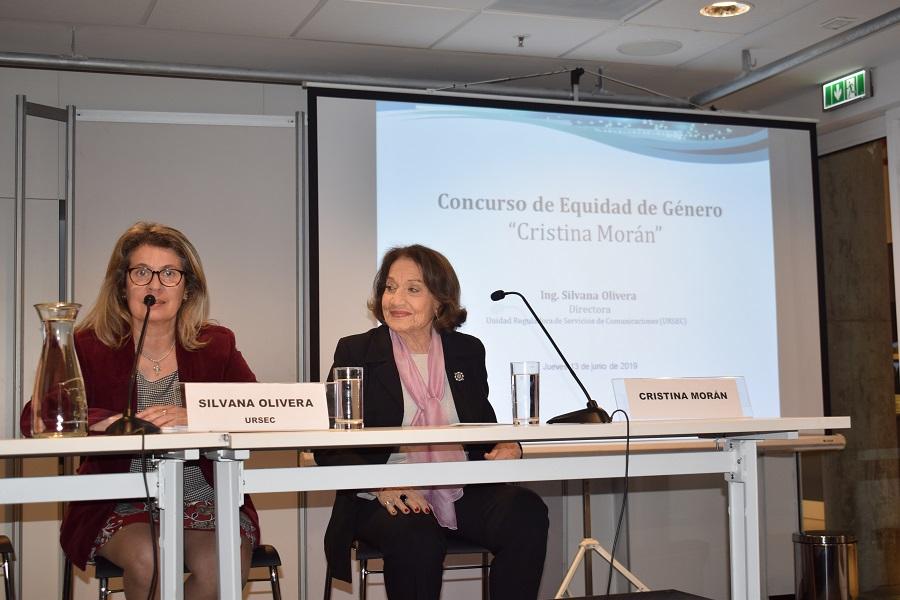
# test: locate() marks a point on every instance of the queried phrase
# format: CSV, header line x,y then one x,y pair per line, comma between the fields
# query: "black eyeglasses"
x,y
144,275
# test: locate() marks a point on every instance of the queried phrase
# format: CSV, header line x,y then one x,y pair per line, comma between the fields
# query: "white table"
x,y
735,457
165,484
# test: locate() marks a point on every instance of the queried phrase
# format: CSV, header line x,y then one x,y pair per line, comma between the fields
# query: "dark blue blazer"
x,y
383,407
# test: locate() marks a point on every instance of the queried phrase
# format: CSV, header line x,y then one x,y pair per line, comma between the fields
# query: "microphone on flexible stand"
x,y
592,413
130,424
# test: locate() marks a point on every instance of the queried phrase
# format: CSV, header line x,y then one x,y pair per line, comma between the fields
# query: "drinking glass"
x,y
346,403
526,392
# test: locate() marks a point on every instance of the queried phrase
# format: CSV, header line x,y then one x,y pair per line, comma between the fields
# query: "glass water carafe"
x,y
59,402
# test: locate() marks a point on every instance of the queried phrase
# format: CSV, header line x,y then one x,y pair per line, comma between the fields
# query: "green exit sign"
x,y
846,89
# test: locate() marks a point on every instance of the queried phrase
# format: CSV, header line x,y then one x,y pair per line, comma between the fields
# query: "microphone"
x,y
130,424
592,413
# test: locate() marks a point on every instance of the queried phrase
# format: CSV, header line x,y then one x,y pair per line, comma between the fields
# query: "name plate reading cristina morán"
x,y
683,398
255,406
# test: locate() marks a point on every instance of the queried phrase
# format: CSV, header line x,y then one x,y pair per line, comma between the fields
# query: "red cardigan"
x,y
106,374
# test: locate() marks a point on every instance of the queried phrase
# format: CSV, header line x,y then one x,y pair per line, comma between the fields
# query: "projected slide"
x,y
646,246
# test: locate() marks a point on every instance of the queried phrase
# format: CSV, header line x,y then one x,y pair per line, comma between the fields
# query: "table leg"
x,y
171,528
229,497
743,520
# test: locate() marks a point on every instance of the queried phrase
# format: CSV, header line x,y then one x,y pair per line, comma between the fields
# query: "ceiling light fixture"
x,y
725,9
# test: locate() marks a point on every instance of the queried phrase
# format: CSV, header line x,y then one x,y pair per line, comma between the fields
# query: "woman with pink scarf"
x,y
420,371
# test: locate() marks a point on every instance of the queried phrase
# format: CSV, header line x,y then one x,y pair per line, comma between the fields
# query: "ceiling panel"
x,y
35,37
693,44
197,48
120,12
497,33
685,14
452,4
602,10
274,18
383,24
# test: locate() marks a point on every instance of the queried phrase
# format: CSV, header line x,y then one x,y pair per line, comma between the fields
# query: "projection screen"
x,y
651,243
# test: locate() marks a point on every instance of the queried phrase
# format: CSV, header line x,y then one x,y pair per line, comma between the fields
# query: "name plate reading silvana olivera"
x,y
683,398
255,406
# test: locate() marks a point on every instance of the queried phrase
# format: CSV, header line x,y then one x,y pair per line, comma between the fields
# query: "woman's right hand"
x,y
403,500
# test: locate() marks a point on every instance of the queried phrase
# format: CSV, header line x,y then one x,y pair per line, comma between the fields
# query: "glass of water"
x,y
347,398
526,392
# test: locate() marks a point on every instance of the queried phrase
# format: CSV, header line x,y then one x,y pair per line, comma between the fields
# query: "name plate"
x,y
255,406
683,398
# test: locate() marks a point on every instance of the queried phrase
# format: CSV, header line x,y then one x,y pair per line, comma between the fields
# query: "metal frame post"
x,y
743,520
229,484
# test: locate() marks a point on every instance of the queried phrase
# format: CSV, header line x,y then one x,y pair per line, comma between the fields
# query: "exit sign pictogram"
x,y
846,89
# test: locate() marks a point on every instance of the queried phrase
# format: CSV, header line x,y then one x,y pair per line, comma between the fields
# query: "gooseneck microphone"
x,y
130,424
592,413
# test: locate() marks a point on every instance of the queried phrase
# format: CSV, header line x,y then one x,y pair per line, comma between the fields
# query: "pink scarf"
x,y
428,401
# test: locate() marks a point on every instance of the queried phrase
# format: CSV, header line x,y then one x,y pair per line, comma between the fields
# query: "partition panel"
x,y
229,183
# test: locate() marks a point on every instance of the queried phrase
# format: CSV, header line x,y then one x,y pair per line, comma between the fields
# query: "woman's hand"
x,y
403,500
505,451
164,416
102,425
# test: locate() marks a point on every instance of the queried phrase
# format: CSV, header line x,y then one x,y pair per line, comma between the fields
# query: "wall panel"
x,y
231,190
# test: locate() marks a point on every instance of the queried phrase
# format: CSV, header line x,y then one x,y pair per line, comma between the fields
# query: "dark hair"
x,y
440,279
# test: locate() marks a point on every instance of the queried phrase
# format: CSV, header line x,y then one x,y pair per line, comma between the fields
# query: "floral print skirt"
x,y
199,515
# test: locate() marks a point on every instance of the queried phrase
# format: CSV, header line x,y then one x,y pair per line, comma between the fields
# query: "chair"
x,y
263,556
7,556
365,553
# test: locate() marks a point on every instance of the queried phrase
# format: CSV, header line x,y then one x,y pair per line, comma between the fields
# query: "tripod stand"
x,y
585,547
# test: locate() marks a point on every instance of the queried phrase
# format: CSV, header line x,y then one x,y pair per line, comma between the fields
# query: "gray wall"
x,y
861,485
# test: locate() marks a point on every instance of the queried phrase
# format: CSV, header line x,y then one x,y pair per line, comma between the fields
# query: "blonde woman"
x,y
181,345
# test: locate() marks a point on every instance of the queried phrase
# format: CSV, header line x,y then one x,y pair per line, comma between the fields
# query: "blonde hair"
x,y
110,318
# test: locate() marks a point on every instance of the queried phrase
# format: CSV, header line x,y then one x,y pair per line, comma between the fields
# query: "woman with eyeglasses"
x,y
180,345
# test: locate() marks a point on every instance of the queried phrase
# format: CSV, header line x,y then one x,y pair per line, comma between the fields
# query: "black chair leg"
x,y
9,586
326,595
67,580
363,576
276,586
104,588
7,556
485,577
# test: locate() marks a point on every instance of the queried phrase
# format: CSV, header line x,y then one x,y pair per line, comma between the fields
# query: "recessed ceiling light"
x,y
725,9
649,48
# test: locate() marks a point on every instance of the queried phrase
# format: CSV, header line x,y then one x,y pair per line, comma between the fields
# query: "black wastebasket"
x,y
825,566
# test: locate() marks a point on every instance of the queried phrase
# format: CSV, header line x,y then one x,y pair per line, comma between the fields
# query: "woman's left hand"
x,y
165,416
505,451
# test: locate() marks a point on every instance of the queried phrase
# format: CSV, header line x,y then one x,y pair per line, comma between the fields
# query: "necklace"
x,y
156,361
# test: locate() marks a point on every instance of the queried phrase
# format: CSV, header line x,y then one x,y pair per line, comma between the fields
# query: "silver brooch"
x,y
459,376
